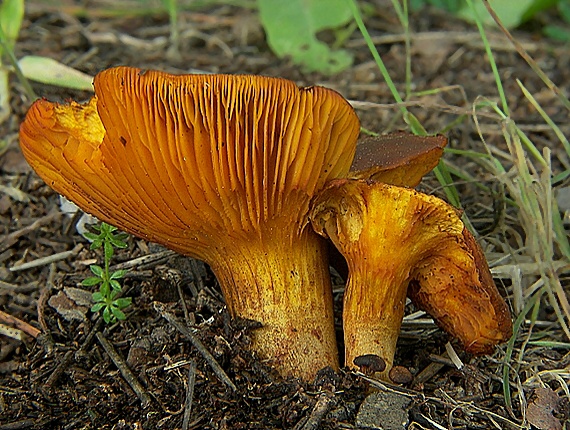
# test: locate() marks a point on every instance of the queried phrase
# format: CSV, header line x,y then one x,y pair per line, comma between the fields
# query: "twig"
x,y
125,370
63,364
144,260
12,332
159,307
44,295
324,404
189,395
17,425
183,302
14,288
13,237
43,261
58,371
19,324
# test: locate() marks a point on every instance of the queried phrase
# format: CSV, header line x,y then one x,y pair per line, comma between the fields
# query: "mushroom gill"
x,y
220,168
391,236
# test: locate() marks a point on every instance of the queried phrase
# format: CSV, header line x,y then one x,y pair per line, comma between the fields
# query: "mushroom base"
x,y
285,285
369,330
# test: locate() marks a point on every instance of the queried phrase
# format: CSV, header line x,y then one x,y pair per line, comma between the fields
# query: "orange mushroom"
x,y
220,168
391,237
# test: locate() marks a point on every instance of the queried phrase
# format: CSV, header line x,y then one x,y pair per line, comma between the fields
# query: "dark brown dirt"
x,y
62,378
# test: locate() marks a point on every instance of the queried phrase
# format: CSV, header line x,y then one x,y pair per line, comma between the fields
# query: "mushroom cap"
x,y
475,314
193,161
399,158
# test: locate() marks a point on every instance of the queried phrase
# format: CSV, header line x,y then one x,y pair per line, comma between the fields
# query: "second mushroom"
x,y
393,237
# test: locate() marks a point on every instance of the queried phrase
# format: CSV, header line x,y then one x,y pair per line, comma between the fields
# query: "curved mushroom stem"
x,y
285,285
391,236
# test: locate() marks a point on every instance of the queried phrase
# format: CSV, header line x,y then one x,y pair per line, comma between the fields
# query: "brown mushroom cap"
x,y
398,158
391,236
217,167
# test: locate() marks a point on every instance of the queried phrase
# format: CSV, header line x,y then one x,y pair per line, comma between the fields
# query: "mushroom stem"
x,y
371,322
290,294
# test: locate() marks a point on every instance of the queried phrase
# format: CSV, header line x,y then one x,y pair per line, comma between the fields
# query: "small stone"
x,y
384,410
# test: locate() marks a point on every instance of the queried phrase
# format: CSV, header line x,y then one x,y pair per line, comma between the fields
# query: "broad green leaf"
x,y
512,13
51,72
292,26
11,16
557,32
97,297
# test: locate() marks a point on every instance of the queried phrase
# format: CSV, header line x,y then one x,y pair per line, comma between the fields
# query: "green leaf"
x,y
118,274
105,289
49,71
115,285
11,16
109,251
511,13
93,280
97,307
97,270
107,315
123,302
557,32
97,243
90,236
97,297
564,9
292,28
107,228
117,242
117,313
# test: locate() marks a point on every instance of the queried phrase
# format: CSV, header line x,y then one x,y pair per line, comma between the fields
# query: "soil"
x,y
60,375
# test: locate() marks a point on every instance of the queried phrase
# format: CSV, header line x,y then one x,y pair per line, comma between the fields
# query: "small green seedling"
x,y
106,299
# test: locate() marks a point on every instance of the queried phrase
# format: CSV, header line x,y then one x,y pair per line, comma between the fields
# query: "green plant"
x,y
511,13
107,298
292,26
